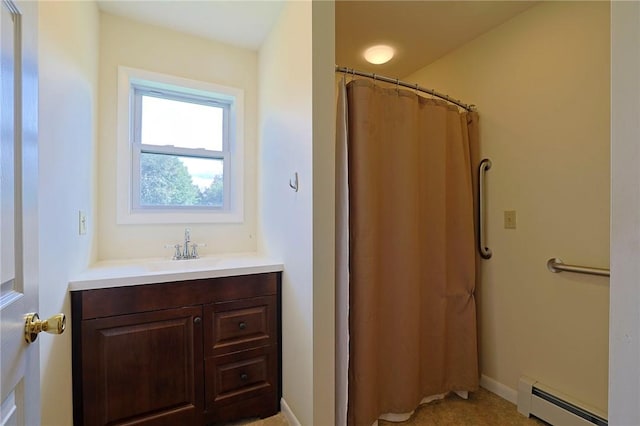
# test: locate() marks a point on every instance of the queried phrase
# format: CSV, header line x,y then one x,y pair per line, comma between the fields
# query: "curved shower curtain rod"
x,y
408,85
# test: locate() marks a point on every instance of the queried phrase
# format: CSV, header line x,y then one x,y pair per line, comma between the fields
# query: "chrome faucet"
x,y
185,248
188,250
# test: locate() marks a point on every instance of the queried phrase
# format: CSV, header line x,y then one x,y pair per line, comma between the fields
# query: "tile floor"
x,y
483,408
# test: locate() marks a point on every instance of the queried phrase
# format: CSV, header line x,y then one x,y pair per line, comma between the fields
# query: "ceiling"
x,y
243,23
420,31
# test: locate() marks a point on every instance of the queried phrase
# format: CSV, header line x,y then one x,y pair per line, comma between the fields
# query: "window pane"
x,y
170,180
181,124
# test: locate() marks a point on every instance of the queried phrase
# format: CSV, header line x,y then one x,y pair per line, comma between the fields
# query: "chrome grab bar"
x,y
485,252
557,265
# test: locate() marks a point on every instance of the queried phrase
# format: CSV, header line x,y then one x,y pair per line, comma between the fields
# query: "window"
x,y
179,150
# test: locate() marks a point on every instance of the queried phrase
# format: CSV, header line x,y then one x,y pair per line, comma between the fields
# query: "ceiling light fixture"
x,y
379,54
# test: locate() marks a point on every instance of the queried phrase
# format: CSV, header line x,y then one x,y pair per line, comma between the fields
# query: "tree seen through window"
x,y
165,181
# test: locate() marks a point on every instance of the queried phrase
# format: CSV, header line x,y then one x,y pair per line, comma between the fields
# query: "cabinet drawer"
x,y
239,376
239,325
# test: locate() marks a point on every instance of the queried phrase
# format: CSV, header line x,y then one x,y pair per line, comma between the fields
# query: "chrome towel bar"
x,y
485,252
557,265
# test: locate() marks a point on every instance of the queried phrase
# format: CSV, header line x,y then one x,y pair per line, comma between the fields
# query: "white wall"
x,y
133,44
541,83
296,66
68,46
624,329
286,219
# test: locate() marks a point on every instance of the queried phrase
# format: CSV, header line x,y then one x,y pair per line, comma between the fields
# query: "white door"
x,y
19,361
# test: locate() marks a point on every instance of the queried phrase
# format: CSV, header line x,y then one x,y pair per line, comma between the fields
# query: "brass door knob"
x,y
32,326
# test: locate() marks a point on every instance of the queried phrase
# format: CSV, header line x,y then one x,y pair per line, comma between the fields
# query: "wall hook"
x,y
294,184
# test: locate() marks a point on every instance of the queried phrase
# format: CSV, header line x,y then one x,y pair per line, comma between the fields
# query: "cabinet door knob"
x,y
242,325
244,377
197,320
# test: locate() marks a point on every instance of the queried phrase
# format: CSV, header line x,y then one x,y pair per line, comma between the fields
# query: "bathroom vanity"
x,y
172,347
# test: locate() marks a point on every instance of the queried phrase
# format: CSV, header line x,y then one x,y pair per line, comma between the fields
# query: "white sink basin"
x,y
183,264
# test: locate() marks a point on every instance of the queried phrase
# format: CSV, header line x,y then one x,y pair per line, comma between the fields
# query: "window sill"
x,y
163,217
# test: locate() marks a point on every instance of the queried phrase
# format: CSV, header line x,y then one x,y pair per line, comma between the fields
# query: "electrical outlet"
x,y
509,219
82,223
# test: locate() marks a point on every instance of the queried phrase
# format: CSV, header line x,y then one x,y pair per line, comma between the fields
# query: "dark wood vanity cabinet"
x,y
183,353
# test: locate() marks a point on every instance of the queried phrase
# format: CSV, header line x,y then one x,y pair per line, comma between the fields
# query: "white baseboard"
x,y
503,391
291,418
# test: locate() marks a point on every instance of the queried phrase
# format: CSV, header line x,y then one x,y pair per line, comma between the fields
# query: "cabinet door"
x,y
143,369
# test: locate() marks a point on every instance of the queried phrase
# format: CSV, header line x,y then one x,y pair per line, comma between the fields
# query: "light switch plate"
x,y
82,222
509,219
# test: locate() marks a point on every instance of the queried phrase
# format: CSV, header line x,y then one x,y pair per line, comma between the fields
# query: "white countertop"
x,y
121,273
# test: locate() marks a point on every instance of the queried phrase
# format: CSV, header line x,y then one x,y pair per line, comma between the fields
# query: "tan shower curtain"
x,y
412,259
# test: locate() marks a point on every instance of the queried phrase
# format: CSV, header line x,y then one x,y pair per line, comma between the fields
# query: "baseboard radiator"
x,y
536,399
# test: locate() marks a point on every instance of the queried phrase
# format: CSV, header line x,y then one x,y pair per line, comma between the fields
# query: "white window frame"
x,y
129,148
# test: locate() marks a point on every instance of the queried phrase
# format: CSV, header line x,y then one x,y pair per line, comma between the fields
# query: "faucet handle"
x,y
194,249
176,255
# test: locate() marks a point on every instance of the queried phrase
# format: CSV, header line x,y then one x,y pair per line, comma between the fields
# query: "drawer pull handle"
x,y
242,325
197,320
244,377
